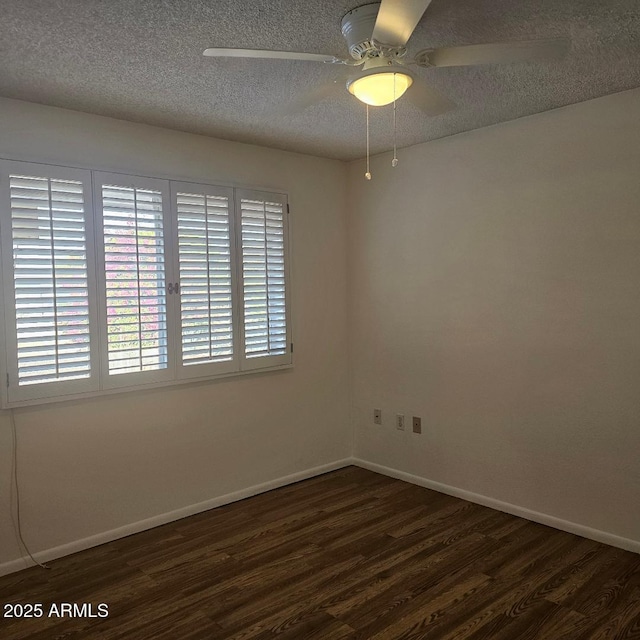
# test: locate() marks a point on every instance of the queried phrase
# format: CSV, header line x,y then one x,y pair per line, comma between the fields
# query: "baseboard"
x,y
164,518
142,525
528,514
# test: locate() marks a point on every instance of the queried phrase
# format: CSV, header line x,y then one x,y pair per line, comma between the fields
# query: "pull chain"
x,y
394,162
367,175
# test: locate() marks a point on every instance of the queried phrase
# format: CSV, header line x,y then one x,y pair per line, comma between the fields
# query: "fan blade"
x,y
498,53
397,19
264,53
315,95
427,99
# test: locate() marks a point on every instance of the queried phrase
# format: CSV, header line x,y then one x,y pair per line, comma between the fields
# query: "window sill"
x,y
142,387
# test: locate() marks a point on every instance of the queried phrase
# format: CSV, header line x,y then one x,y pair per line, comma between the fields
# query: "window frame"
x,y
100,383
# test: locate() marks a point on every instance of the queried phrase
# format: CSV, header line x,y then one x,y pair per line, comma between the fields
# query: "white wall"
x,y
90,466
495,292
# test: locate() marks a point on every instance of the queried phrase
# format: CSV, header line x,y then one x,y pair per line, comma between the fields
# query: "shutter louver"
x,y
204,259
50,279
135,279
263,272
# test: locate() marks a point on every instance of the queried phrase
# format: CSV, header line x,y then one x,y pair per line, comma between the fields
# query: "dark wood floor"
x,y
351,554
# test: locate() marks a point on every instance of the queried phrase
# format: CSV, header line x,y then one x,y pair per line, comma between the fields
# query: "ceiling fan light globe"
x,y
377,89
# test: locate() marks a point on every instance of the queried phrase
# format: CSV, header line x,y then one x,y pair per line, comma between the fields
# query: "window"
x,y
205,264
133,216
263,278
114,282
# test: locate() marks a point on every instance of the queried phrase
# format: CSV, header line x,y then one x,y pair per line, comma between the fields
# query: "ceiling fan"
x,y
377,35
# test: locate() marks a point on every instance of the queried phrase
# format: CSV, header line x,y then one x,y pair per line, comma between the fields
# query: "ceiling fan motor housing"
x,y
357,27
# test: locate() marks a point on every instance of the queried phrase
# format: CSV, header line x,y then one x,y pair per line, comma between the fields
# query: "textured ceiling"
x,y
141,60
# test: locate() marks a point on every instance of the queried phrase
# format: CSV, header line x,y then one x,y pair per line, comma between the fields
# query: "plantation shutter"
x,y
113,282
263,241
47,248
205,264
135,286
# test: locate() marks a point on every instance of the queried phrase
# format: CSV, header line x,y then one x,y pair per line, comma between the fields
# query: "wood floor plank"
x,y
349,555
622,624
